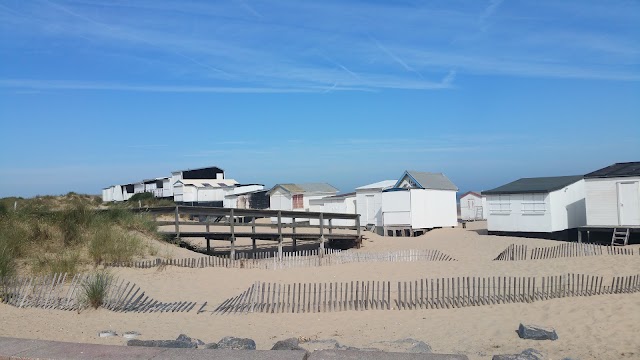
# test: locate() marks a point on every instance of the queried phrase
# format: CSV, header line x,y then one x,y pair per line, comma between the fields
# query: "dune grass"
x,y
67,234
95,289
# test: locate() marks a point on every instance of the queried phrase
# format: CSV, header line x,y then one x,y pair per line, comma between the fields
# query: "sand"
x,y
596,327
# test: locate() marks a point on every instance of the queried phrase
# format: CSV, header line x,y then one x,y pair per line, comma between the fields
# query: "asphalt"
x,y
13,348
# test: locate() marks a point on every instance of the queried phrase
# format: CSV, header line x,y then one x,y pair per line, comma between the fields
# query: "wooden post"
x,y
330,226
208,245
279,235
321,235
232,255
293,237
177,219
358,226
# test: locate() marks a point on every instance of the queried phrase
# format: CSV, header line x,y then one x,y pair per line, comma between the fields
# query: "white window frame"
x,y
534,204
500,204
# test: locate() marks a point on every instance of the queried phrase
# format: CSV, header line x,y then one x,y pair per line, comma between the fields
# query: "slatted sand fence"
x,y
62,292
520,252
433,293
298,259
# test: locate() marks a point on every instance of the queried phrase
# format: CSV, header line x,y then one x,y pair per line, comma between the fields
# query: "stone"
x,y
131,334
107,333
162,343
185,338
210,346
535,332
287,344
528,354
234,343
409,345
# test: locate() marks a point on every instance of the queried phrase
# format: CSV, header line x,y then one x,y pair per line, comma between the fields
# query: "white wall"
x,y
440,209
138,188
334,205
362,206
601,196
167,188
514,219
396,208
280,200
467,212
568,209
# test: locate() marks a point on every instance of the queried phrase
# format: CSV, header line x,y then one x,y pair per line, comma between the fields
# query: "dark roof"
x,y
617,170
534,185
427,180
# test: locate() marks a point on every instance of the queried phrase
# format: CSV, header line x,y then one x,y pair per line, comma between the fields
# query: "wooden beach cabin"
x,y
544,207
297,196
419,201
201,192
340,204
613,201
369,204
472,206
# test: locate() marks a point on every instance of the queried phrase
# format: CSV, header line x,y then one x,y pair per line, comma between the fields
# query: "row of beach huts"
x,y
559,207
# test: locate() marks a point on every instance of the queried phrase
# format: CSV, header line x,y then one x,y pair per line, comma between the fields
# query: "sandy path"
x,y
597,327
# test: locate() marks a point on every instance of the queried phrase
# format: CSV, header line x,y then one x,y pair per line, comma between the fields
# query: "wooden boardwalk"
x,y
521,252
60,292
439,293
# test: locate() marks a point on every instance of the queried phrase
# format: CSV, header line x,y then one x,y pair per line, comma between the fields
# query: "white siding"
x,y
369,206
440,207
396,208
512,218
280,200
602,200
568,207
167,188
468,206
138,188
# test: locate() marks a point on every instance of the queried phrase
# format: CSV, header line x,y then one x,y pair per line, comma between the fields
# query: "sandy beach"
x,y
594,327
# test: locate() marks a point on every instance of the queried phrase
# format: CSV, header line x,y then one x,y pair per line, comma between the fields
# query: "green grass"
x,y
95,289
67,234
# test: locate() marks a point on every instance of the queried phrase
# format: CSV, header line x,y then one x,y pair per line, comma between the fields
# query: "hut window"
x,y
533,204
500,204
298,203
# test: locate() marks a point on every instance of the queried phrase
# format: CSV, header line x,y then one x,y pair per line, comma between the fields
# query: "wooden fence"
x,y
56,292
420,294
305,258
520,252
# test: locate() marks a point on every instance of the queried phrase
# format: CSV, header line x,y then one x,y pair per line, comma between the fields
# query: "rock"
x,y
107,333
185,338
287,344
407,345
320,344
161,343
235,343
131,335
534,332
529,354
210,346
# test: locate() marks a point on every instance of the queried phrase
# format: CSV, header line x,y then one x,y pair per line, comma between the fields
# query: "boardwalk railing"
x,y
60,292
420,294
305,258
520,252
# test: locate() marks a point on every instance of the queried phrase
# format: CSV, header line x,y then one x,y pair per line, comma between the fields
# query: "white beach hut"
x,y
297,196
472,206
419,201
547,207
369,203
342,204
613,200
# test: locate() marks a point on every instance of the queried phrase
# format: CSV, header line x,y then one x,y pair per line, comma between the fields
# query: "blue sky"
x,y
94,93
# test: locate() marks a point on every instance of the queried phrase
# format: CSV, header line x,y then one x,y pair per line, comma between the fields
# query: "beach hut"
x,y
545,207
297,196
201,192
369,203
613,200
472,206
246,196
417,202
343,204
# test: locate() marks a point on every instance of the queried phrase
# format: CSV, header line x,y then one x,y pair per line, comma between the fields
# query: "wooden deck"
x,y
228,224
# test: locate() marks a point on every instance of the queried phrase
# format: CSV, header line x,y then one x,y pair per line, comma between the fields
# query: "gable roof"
x,y
470,193
534,185
212,183
304,188
384,184
616,170
427,180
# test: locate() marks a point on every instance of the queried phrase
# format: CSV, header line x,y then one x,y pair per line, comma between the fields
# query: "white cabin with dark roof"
x,y
546,207
613,195
419,201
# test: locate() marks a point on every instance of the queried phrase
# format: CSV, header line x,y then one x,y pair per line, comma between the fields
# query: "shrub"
x,y
95,289
67,261
143,196
7,263
114,245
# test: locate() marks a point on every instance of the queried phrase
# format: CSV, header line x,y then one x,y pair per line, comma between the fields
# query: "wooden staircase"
x,y
620,236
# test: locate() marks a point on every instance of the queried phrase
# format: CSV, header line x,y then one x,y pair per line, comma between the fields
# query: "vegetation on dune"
x,y
50,234
95,289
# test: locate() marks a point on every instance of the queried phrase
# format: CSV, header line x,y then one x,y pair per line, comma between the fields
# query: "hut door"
x,y
371,211
628,203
